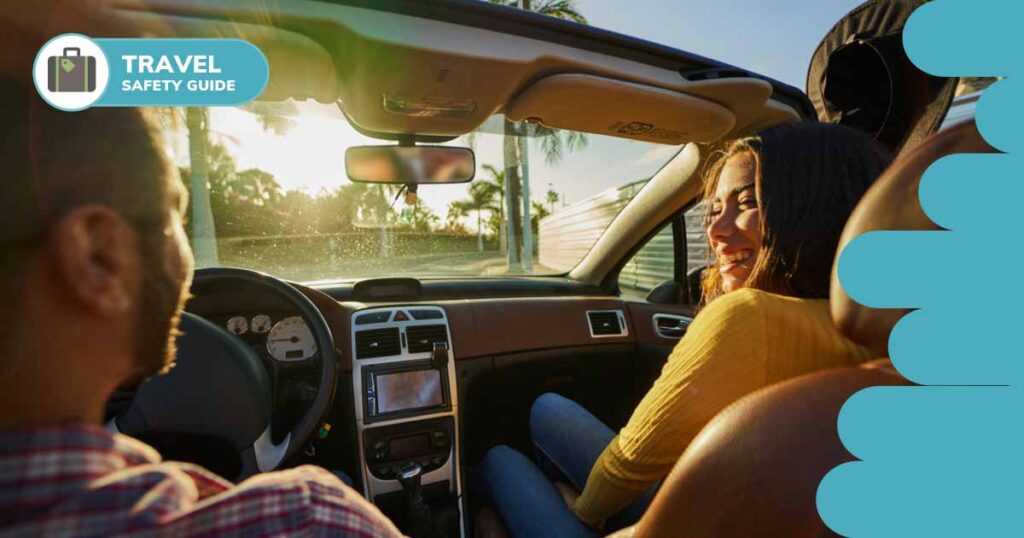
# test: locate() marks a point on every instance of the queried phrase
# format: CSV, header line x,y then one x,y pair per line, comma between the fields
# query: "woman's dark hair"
x,y
809,177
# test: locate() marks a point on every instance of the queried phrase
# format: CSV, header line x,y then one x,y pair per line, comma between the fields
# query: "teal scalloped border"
x,y
947,458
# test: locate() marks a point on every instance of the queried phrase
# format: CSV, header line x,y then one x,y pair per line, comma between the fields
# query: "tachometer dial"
x,y
238,325
260,324
291,340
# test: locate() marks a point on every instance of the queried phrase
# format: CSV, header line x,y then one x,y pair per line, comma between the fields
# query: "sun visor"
x,y
860,76
611,107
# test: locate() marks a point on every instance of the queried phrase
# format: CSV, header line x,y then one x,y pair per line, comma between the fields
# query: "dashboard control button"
x,y
375,317
426,314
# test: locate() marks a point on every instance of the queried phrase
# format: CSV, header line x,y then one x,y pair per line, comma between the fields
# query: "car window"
x,y
697,252
654,263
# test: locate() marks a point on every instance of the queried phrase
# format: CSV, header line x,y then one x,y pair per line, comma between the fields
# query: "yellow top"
x,y
740,342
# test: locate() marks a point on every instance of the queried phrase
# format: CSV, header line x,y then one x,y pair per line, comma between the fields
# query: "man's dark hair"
x,y
55,161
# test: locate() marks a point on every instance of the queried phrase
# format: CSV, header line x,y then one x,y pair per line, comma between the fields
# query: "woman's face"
x,y
735,221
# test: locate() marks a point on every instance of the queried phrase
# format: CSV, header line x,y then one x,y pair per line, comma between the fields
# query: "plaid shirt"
x,y
84,481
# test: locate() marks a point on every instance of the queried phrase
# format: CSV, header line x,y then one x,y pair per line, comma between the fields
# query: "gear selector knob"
x,y
420,516
409,475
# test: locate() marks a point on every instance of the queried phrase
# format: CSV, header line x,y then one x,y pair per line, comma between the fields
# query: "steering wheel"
x,y
219,389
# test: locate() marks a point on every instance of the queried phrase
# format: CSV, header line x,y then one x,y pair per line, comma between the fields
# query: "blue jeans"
x,y
568,440
525,499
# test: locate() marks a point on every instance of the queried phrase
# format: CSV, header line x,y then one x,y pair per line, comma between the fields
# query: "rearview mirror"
x,y
410,164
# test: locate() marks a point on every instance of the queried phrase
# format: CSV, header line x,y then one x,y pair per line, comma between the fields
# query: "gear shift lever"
x,y
421,519
409,476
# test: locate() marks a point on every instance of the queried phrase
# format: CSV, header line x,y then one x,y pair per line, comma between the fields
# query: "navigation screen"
x,y
409,390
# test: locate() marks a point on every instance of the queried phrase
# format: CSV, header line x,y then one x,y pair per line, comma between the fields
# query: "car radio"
x,y
404,389
426,442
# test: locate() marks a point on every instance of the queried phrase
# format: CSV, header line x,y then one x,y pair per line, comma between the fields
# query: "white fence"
x,y
569,233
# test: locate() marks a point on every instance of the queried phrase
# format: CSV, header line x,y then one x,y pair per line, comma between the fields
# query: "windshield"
x,y
269,192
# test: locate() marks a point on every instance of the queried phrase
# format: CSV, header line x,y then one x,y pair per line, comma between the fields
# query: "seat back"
x,y
754,470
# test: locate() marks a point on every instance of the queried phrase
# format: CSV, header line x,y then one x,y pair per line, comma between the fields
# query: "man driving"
x,y
94,273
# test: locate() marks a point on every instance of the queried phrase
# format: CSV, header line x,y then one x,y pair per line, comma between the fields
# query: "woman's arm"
x,y
720,359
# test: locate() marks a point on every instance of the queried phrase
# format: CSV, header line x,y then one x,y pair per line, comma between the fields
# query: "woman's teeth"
x,y
735,257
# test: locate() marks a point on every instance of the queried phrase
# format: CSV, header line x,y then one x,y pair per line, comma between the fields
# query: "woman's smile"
x,y
732,259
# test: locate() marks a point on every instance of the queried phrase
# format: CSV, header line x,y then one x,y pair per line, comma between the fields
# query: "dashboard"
x,y
396,386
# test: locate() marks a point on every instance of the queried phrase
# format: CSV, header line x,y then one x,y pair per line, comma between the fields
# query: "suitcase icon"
x,y
67,73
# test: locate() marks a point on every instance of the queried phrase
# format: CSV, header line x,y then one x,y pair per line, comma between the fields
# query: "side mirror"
x,y
410,165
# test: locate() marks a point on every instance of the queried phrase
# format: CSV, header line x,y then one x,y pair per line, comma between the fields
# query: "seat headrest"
x,y
860,76
892,203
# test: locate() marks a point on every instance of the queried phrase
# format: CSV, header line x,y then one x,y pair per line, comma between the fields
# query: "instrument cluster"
x,y
285,337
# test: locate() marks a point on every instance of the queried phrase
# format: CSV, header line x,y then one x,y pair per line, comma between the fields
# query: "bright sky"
x,y
772,37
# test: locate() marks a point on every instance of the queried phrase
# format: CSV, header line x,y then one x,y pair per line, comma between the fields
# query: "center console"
x,y
407,417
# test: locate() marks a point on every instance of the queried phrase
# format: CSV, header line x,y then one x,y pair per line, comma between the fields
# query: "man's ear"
x,y
97,259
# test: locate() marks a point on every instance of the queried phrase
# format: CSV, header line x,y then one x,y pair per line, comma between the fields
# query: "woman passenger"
x,y
776,205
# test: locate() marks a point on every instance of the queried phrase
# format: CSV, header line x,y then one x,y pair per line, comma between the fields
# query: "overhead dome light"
x,y
429,107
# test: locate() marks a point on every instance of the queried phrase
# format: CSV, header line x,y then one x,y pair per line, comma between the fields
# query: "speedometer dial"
x,y
291,340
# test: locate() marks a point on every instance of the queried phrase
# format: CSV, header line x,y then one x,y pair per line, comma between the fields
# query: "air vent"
x,y
422,338
606,323
377,343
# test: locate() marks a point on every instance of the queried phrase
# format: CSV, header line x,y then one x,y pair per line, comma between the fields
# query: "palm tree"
x,y
456,212
559,9
204,234
554,143
539,212
481,198
552,199
497,182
